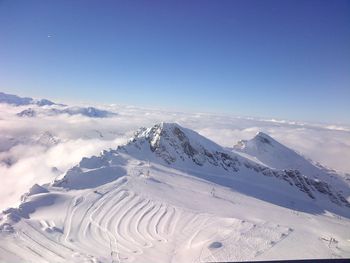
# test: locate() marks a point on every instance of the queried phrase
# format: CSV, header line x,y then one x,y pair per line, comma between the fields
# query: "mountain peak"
x,y
172,142
264,138
276,155
260,142
155,133
262,134
174,134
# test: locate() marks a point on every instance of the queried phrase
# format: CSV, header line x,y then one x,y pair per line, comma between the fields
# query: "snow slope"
x,y
171,195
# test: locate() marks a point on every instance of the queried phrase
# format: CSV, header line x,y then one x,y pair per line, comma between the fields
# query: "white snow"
x,y
171,195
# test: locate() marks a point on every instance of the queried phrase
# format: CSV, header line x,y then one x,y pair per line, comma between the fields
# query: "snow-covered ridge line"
x,y
51,108
172,145
18,101
181,148
91,112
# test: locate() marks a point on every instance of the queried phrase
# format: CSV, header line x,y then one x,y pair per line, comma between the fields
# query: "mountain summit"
x,y
175,144
261,143
273,154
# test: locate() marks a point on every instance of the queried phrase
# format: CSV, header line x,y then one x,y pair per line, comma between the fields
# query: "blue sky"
x,y
282,59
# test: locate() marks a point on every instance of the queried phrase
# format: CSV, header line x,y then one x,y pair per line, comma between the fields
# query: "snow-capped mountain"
x,y
56,109
47,139
90,112
20,101
182,148
30,112
171,195
85,111
271,153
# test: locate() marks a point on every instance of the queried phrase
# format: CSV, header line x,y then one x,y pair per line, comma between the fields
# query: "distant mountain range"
x,y
84,111
20,101
54,109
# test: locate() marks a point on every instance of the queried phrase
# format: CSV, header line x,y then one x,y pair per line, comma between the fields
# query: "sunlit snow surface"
x,y
130,220
134,205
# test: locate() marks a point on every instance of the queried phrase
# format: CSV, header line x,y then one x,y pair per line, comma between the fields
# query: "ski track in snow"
x,y
115,224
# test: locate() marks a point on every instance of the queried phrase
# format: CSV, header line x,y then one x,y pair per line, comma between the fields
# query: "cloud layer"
x,y
38,149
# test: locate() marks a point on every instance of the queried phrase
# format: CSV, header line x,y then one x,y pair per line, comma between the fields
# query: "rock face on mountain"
x,y
173,143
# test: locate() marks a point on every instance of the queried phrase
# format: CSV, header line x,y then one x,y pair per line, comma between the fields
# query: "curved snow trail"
x,y
144,223
168,222
115,223
160,219
137,223
134,222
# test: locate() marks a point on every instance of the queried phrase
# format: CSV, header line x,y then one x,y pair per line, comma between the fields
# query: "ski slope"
x,y
129,227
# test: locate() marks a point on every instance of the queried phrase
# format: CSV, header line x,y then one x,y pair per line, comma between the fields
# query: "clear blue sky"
x,y
284,59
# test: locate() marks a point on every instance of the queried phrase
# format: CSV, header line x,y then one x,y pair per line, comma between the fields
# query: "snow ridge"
x,y
173,143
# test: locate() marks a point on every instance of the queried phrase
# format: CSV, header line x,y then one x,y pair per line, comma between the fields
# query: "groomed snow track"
x,y
114,224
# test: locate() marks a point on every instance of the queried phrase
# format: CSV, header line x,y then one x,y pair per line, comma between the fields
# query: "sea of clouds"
x,y
39,149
